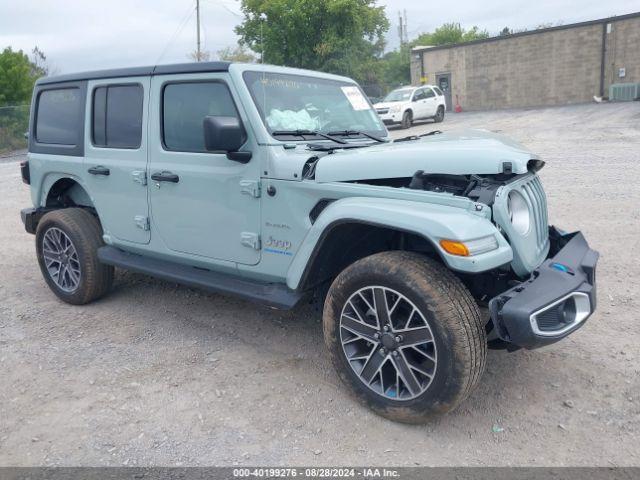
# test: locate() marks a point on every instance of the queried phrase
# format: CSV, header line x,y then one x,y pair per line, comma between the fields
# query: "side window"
x,y
117,116
438,91
58,118
184,106
428,93
418,95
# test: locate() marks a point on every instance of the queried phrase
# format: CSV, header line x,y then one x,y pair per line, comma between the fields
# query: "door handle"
x,y
165,176
99,170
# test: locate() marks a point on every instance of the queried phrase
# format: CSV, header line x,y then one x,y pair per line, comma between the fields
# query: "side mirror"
x,y
225,134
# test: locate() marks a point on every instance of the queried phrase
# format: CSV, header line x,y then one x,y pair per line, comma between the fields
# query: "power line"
x,y
179,29
224,5
195,6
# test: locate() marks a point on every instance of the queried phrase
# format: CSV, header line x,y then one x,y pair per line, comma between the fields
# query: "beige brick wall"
x,y
623,51
552,67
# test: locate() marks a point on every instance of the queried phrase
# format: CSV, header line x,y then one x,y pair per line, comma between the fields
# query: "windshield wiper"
x,y
303,133
348,133
417,137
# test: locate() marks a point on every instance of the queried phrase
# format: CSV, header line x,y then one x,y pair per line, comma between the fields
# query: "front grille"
x,y
537,200
382,111
531,247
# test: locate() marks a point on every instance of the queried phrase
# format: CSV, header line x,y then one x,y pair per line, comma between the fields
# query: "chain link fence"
x,y
14,123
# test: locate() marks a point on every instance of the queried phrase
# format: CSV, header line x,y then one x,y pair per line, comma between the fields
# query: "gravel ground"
x,y
159,374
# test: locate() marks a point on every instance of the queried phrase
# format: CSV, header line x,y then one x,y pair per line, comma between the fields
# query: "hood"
x,y
463,152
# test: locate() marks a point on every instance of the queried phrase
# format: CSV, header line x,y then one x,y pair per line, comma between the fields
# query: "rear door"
x,y
116,155
430,103
441,99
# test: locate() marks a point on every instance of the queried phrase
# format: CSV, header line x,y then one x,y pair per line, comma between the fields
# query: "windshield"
x,y
295,102
401,95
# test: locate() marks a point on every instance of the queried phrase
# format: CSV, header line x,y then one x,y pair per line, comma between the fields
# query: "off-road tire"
x,y
85,233
439,115
451,313
407,119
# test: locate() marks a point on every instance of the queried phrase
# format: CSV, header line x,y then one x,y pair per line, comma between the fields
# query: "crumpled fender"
x,y
431,221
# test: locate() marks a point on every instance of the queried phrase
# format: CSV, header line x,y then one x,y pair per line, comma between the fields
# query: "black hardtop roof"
x,y
194,67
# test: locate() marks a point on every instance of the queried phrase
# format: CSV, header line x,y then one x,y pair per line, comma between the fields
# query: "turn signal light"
x,y
454,248
469,248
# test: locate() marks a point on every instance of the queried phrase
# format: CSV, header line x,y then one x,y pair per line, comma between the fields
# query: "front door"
x,y
444,82
116,156
202,203
419,104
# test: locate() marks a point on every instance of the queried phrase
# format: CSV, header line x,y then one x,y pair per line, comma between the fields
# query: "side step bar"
x,y
271,294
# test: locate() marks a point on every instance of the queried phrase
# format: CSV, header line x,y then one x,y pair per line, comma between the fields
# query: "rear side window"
x,y
438,91
58,118
117,116
184,106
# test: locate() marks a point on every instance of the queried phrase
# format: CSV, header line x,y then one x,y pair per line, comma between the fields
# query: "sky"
x,y
79,35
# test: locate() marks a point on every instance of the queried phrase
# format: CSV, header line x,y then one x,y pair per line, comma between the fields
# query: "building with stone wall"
x,y
551,66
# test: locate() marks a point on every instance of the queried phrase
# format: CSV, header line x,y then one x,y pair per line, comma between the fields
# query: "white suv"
x,y
406,104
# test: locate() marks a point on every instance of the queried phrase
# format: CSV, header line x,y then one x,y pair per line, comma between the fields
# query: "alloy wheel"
x,y
61,259
388,343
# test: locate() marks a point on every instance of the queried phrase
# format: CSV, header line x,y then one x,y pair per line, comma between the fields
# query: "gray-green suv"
x,y
281,186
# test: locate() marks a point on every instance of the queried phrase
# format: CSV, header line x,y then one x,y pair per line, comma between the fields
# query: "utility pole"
x,y
402,28
198,52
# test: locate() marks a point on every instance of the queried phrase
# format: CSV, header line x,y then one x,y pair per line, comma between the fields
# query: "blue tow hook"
x,y
562,268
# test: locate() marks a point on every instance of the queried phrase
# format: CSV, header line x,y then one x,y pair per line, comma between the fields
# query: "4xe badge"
x,y
281,247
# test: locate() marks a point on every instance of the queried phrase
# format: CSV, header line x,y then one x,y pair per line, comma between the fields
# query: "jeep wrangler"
x,y
280,185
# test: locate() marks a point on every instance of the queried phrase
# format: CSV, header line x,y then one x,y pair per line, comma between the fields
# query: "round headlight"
x,y
519,212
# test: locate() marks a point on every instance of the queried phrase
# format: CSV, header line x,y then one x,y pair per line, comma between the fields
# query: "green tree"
x,y
396,69
236,54
450,33
17,77
338,36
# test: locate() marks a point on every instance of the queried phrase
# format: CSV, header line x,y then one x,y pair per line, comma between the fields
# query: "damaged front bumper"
x,y
555,301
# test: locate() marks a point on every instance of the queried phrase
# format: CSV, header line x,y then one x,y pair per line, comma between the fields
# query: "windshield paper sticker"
x,y
355,97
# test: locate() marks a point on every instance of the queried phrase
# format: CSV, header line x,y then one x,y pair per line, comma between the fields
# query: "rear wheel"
x,y
405,335
439,115
67,243
407,119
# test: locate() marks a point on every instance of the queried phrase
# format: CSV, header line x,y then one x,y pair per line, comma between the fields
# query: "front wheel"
x,y
405,335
